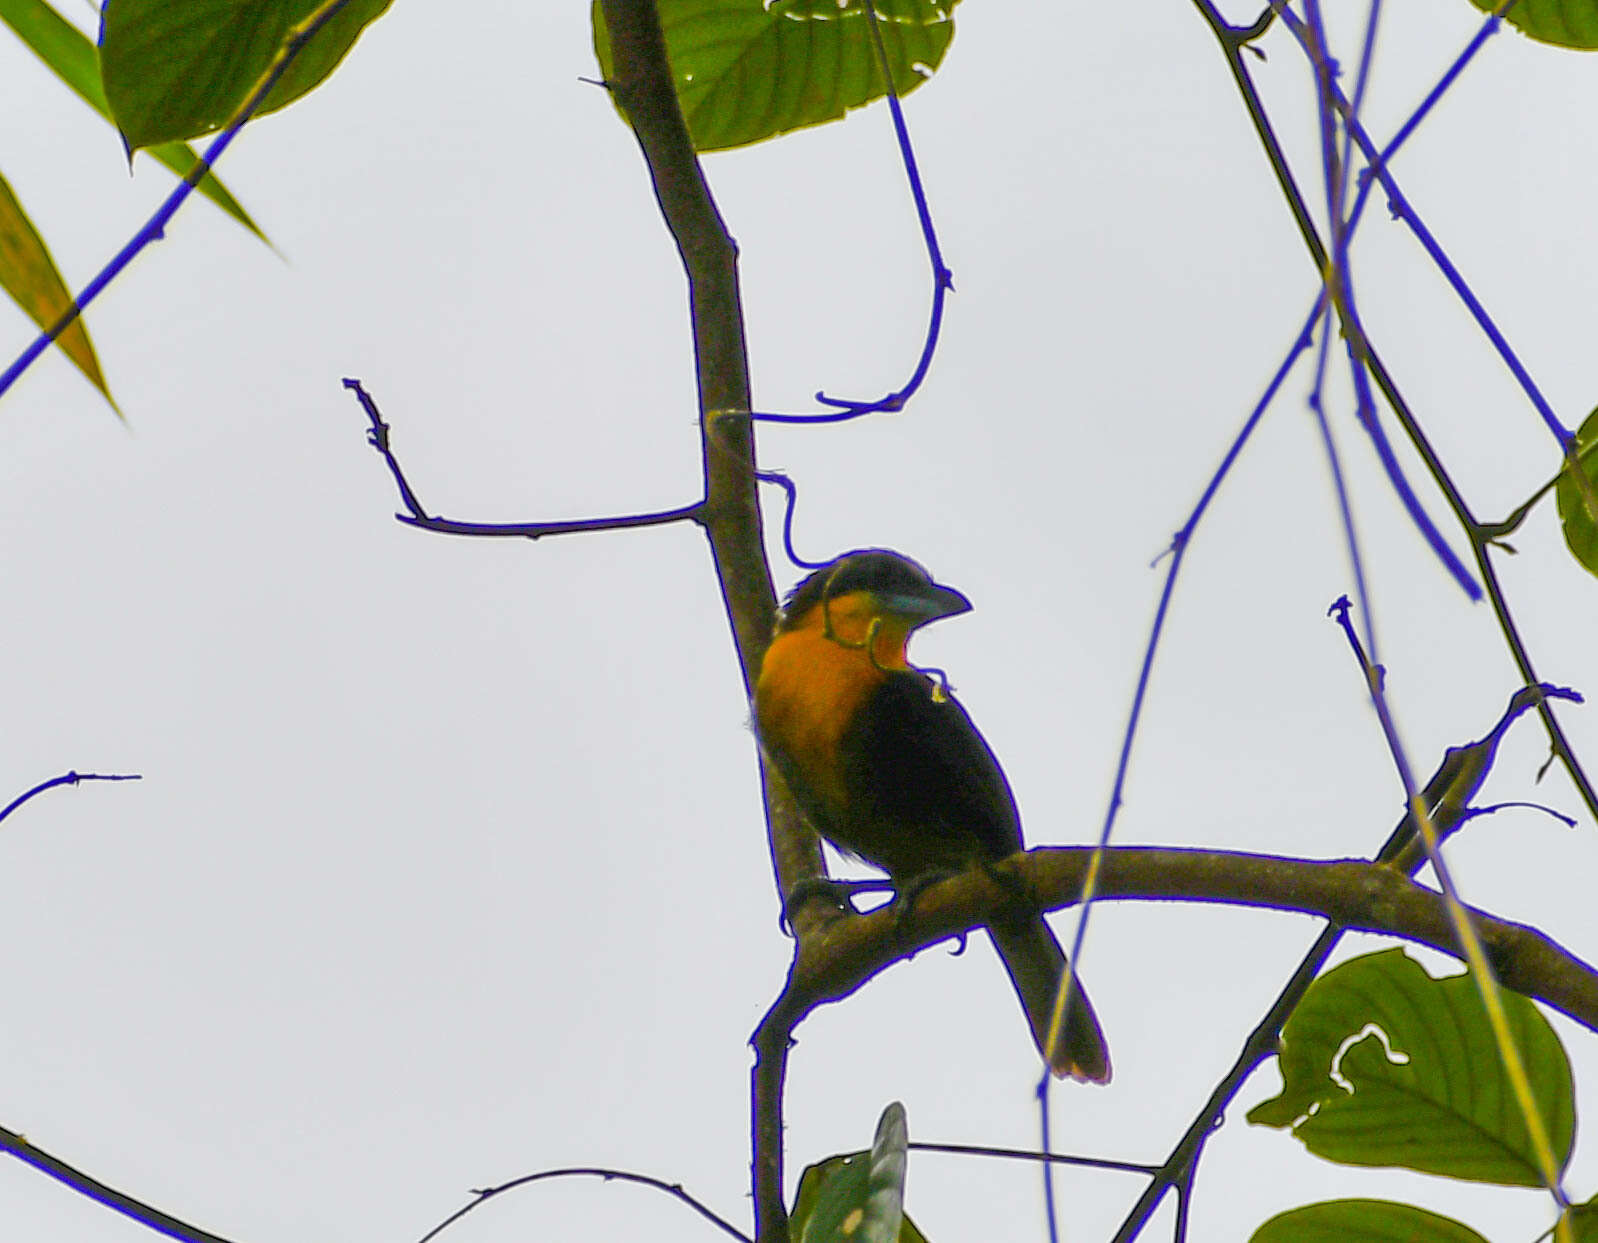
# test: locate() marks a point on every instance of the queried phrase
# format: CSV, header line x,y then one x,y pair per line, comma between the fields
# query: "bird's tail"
x,y
1036,964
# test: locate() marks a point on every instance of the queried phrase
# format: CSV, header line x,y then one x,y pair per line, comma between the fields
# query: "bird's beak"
x,y
927,604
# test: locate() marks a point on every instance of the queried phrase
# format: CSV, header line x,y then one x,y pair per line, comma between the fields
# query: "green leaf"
x,y
1581,532
59,44
176,69
858,1197
1583,1220
29,275
1440,1103
1565,23
1363,1221
182,160
745,72
70,55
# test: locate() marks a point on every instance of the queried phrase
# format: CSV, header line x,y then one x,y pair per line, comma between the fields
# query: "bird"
x,y
887,765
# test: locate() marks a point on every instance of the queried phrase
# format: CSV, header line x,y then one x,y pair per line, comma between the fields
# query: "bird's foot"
x,y
912,889
838,894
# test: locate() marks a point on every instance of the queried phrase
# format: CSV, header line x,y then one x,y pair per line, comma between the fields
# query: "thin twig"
x,y
1481,971
65,779
574,526
1386,385
1025,1154
1401,208
1495,531
942,277
1378,168
378,437
1334,465
675,1190
1367,55
790,506
1523,805
1180,544
1231,49
1051,1216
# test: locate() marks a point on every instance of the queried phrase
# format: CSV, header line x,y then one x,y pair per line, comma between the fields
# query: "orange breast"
x,y
809,690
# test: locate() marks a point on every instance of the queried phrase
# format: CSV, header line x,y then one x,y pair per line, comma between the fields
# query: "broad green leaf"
x,y
745,71
68,52
1363,1221
1440,1103
859,1197
1566,23
29,275
176,69
1581,533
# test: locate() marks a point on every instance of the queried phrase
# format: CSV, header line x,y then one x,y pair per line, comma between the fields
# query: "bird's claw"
x,y
839,894
911,892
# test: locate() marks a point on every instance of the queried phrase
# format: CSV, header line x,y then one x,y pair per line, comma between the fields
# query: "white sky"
x,y
448,863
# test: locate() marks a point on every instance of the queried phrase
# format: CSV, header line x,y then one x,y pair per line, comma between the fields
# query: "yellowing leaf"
x,y
29,275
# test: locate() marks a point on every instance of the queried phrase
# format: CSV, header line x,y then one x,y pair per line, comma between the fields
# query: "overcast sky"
x,y
448,862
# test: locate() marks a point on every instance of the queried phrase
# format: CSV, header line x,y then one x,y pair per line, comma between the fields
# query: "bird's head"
x,y
870,597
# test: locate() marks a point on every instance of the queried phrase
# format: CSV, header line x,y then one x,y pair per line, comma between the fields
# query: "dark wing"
x,y
925,790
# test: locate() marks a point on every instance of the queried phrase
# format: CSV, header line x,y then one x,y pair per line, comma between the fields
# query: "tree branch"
x,y
146,1215
643,89
1356,895
642,85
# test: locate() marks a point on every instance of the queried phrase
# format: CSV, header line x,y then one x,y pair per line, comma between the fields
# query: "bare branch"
x,y
145,1214
65,779
641,83
621,1176
1355,895
416,516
